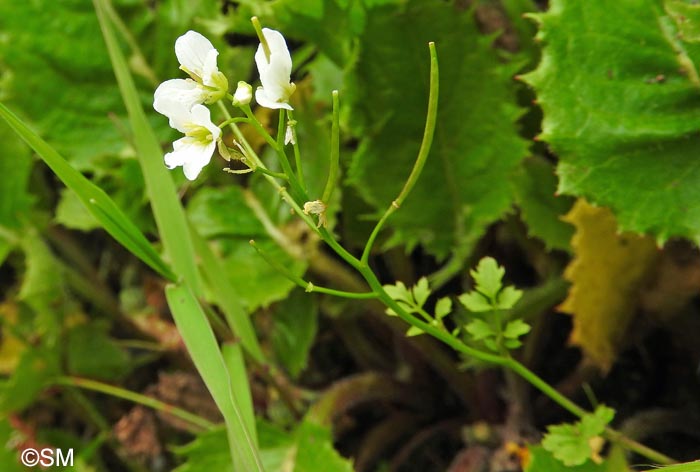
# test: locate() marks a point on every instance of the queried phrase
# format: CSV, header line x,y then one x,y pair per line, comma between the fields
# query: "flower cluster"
x,y
182,100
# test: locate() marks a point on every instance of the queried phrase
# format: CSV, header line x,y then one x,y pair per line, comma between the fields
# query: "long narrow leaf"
x,y
167,210
224,295
202,346
170,218
235,362
97,202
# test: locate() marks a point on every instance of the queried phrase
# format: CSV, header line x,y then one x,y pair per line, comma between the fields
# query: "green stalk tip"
x,y
261,36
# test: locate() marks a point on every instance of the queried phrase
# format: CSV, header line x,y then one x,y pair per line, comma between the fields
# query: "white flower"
x,y
194,151
243,95
197,57
184,91
275,72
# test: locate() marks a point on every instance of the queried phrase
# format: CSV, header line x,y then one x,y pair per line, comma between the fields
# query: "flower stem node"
x,y
243,94
317,207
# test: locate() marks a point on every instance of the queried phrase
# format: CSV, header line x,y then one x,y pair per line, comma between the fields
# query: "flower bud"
x,y
243,95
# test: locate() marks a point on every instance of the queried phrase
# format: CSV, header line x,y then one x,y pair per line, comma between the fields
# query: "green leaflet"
x,y
620,94
465,183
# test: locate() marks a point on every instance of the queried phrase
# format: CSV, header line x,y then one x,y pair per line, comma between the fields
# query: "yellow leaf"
x,y
607,272
11,348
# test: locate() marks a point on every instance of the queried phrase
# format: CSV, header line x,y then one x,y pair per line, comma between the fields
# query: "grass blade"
x,y
167,210
235,362
180,244
97,202
224,295
202,346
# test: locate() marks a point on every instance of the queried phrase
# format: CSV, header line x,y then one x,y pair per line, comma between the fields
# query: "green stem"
x,y
644,451
238,119
335,151
297,189
308,286
270,177
241,139
297,153
259,127
543,387
261,36
277,175
340,250
136,398
423,152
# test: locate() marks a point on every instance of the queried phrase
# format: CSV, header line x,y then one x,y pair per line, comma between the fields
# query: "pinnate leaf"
x,y
421,291
571,443
508,297
487,276
541,460
479,329
516,328
475,302
398,292
414,331
443,307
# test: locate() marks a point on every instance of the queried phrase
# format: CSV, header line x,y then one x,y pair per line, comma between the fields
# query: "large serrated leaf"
x,y
60,76
465,183
540,208
620,94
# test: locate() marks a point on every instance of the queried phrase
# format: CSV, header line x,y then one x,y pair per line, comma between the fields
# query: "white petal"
x,y
185,91
193,52
279,53
201,116
191,154
178,113
275,72
267,102
209,68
